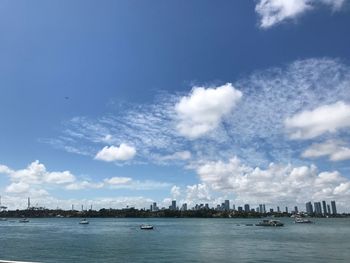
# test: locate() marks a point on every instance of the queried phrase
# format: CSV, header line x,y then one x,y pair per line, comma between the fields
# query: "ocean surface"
x,y
174,240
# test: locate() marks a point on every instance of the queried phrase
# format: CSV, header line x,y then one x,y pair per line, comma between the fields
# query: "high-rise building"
x,y
309,208
184,207
324,205
233,207
328,209
295,209
246,208
240,209
173,205
334,208
318,209
278,209
287,209
264,208
261,208
154,207
227,205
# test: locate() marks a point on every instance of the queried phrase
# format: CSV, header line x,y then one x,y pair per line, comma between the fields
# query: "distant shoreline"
x,y
140,213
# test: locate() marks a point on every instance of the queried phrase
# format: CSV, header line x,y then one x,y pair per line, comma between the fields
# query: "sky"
x,y
125,103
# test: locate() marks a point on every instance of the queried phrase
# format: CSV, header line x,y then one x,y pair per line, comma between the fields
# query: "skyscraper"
x,y
173,205
309,208
295,209
318,209
324,205
278,209
261,208
334,208
227,205
246,208
328,209
287,209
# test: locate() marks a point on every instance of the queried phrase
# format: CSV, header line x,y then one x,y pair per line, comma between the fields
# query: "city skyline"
x,y
121,104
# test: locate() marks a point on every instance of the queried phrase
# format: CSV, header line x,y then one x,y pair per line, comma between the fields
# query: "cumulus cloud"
x,y
33,176
336,150
175,192
273,12
112,153
277,183
326,118
203,110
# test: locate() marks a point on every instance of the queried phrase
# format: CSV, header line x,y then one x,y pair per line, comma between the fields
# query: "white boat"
x,y
24,220
146,227
300,220
267,222
84,222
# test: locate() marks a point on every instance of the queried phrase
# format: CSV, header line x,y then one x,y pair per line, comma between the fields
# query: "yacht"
x,y
267,222
146,227
300,220
24,220
84,222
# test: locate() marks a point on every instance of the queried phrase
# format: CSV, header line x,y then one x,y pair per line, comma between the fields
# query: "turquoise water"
x,y
174,240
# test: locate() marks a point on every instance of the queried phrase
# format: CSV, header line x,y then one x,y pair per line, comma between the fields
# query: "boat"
x,y
146,227
24,220
3,219
300,220
84,222
267,222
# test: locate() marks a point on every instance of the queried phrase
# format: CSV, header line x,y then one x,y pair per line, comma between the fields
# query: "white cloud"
x,y
203,110
122,153
117,180
277,183
59,177
140,185
182,155
273,12
175,192
326,118
33,177
17,188
84,185
198,193
336,150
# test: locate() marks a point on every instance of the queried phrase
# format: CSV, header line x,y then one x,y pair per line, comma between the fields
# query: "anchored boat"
x,y
270,223
84,222
146,227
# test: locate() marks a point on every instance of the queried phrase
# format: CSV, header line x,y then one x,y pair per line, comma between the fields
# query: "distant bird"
x,y
67,98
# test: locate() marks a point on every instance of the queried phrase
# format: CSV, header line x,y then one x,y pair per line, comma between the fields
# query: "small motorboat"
x,y
84,222
270,223
24,220
3,219
300,220
146,227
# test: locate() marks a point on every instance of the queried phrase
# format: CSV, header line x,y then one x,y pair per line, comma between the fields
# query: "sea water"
x,y
174,240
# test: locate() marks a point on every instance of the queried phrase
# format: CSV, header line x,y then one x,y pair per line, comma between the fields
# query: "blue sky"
x,y
119,103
